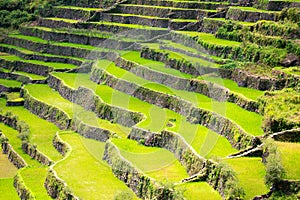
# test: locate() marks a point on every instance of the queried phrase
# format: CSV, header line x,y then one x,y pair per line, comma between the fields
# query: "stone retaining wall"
x,y
143,186
96,41
23,191
139,33
26,67
57,188
60,145
195,165
87,99
45,111
13,156
34,153
236,136
248,16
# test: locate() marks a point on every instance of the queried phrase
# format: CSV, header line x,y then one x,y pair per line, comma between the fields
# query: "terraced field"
x,y
155,99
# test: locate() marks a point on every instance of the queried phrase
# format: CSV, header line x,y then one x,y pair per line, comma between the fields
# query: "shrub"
x,y
274,169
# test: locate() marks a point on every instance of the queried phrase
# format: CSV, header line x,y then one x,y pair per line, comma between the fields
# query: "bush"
x,y
274,169
15,12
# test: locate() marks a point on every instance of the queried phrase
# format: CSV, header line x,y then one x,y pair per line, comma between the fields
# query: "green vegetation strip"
x,y
10,83
34,176
157,118
47,95
249,121
53,65
157,163
251,173
91,177
290,155
7,190
40,137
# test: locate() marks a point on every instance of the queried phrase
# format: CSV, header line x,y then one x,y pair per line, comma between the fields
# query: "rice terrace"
x,y
149,99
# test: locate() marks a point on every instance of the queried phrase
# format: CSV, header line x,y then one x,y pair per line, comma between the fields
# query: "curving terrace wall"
x,y
87,99
236,136
196,166
143,186
206,88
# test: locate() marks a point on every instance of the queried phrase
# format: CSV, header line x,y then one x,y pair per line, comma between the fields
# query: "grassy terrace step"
x,y
85,33
196,190
156,118
251,173
84,37
161,165
10,83
7,190
33,55
233,86
31,76
113,27
91,177
61,48
74,12
52,65
290,156
189,51
249,14
249,121
196,62
157,163
42,138
160,67
79,8
34,176
45,94
163,11
181,4
209,38
7,172
144,20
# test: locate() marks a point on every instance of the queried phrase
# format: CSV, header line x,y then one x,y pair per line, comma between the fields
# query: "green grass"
x,y
45,94
7,169
251,173
53,65
210,38
34,179
199,190
206,142
157,163
7,190
34,176
28,52
134,56
252,125
79,8
156,117
252,9
31,76
290,155
290,70
10,83
16,143
233,86
91,177
42,138
64,44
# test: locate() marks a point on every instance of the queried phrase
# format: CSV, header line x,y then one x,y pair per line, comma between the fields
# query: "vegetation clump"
x,y
281,110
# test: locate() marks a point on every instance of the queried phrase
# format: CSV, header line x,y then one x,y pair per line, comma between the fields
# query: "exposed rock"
x,y
290,60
